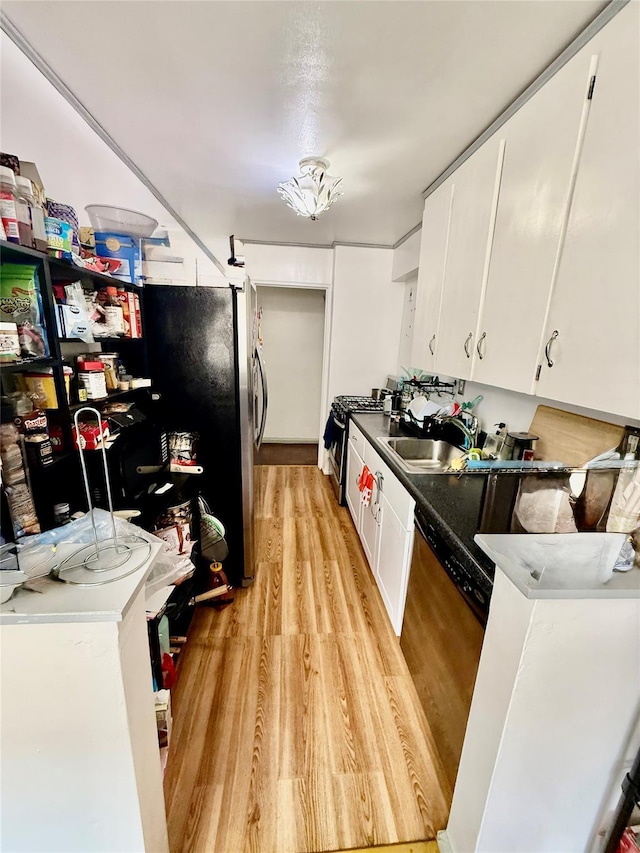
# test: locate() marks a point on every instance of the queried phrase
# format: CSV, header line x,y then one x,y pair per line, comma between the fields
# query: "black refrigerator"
x,y
206,364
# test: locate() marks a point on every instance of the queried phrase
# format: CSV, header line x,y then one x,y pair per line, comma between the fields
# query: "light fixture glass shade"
x,y
313,191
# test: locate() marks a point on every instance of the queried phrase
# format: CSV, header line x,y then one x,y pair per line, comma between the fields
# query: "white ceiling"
x,y
217,101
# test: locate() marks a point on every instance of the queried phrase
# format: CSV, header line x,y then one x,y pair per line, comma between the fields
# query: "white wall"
x,y
366,320
293,334
296,265
75,165
406,257
406,328
517,410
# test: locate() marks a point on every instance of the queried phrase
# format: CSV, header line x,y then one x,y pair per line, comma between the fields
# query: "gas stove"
x,y
344,405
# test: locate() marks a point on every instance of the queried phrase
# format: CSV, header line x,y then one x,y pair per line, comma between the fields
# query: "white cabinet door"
x,y
392,570
541,141
593,329
354,469
433,258
475,192
370,528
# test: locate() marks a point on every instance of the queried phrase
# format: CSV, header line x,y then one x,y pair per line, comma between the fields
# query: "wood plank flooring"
x,y
297,727
287,454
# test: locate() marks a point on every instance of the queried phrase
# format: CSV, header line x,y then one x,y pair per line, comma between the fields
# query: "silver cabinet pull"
x,y
431,350
547,349
466,345
480,340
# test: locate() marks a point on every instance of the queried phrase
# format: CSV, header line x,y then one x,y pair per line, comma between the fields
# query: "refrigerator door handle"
x,y
265,398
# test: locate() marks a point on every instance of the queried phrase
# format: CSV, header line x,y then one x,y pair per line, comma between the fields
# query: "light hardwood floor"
x,y
296,723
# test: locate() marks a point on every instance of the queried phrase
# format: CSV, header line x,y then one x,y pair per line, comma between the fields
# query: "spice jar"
x,y
91,374
8,204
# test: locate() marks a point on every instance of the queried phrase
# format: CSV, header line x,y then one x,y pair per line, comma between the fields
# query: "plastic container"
x,y
39,233
113,313
8,204
44,385
23,213
9,343
110,361
91,374
104,217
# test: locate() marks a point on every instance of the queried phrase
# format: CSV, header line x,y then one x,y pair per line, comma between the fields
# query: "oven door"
x,y
337,459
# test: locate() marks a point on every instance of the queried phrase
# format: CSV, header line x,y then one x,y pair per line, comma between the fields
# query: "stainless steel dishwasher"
x,y
441,639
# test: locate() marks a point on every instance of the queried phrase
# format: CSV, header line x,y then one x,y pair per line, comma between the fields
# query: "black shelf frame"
x,y
52,271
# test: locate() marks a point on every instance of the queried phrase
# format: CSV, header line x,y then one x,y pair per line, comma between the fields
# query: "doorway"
x,y
292,330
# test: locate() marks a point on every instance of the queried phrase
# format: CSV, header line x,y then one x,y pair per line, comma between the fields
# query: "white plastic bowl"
x,y
104,217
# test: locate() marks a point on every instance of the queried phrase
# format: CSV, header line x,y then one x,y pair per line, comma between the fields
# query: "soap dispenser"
x,y
494,441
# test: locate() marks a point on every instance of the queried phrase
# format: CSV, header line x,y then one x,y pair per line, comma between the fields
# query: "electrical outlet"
x,y
461,386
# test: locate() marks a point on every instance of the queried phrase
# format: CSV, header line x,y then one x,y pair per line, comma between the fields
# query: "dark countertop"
x,y
450,502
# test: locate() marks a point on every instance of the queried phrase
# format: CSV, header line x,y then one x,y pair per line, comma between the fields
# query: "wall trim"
x,y
316,245
601,19
41,64
410,233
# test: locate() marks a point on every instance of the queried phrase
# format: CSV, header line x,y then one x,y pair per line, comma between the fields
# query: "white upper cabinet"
x,y
541,142
593,329
433,256
475,193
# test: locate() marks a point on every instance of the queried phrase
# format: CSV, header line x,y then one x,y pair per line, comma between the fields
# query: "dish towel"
x,y
365,486
330,431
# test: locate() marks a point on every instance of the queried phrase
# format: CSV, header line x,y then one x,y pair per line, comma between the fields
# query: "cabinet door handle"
x,y
466,345
431,350
480,340
547,349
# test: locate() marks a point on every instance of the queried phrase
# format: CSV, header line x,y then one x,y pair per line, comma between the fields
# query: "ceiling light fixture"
x,y
313,191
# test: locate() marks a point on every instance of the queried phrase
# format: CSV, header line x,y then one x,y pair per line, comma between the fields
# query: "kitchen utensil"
x,y
105,217
516,443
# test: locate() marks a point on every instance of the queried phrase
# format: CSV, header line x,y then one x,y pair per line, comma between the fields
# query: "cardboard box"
x,y
126,249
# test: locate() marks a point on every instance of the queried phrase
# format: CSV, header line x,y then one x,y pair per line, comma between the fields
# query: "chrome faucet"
x,y
470,431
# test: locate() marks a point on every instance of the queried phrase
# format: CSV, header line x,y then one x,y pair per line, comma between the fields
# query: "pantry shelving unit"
x,y
52,271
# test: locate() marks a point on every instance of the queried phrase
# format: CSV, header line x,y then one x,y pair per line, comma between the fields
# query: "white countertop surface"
x,y
56,601
562,565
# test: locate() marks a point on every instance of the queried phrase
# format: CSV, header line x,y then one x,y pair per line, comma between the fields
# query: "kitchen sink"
x,y
421,455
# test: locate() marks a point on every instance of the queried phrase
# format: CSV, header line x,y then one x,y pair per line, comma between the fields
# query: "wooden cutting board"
x,y
574,439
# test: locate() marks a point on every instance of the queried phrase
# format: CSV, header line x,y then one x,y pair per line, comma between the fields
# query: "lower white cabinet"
x,y
394,558
352,493
385,527
370,527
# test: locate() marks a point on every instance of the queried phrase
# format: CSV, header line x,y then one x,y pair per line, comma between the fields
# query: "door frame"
x,y
326,348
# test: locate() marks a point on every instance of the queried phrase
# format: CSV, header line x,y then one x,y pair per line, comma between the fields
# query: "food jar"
x,y
8,197
91,374
110,361
9,343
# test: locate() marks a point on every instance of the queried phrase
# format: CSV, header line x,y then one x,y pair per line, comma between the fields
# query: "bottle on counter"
x,y
494,441
8,209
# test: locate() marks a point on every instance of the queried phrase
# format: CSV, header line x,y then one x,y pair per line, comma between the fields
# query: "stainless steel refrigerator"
x,y
206,364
